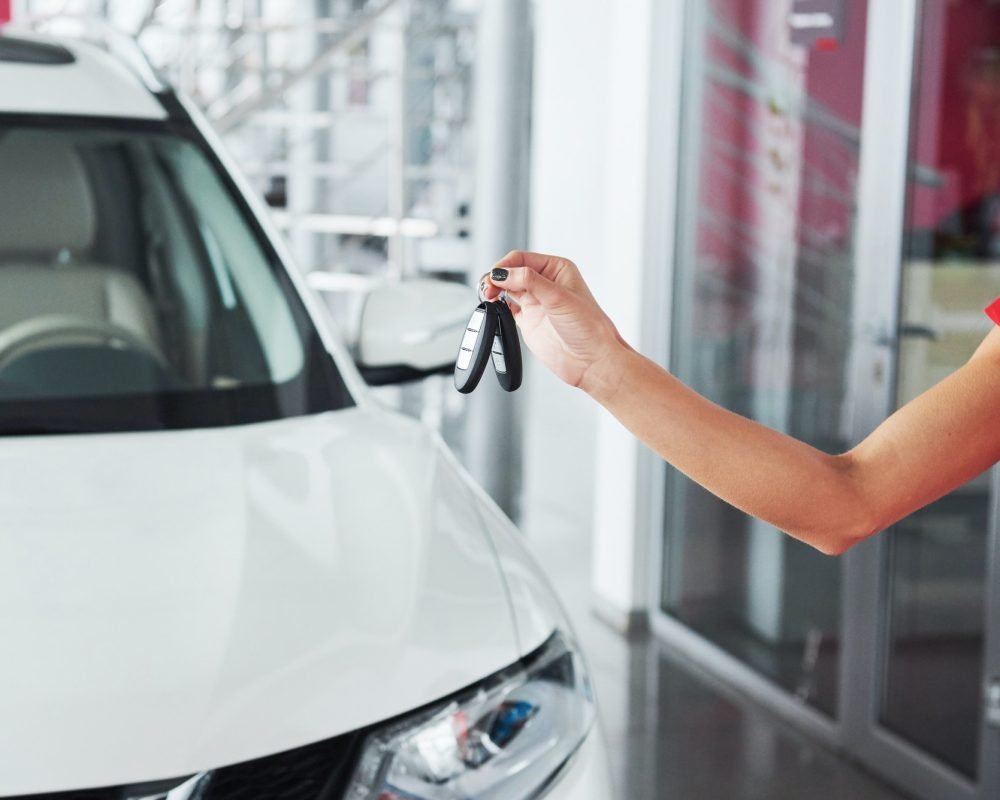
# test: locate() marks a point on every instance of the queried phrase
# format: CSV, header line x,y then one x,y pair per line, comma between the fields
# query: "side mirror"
x,y
411,330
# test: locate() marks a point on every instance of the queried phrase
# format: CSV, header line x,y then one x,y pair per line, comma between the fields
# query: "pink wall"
x,y
957,107
762,162
956,125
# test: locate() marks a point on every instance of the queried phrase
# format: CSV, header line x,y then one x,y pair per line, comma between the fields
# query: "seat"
x,y
101,295
49,289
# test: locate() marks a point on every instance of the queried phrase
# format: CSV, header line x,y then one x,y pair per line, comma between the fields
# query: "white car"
x,y
225,571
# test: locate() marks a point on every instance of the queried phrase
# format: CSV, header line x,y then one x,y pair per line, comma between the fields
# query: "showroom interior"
x,y
794,206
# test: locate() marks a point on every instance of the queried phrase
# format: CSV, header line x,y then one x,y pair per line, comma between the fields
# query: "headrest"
x,y
45,200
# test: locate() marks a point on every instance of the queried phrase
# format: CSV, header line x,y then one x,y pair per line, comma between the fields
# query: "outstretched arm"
x,y
933,444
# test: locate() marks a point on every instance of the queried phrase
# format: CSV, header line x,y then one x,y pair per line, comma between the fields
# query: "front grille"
x,y
317,771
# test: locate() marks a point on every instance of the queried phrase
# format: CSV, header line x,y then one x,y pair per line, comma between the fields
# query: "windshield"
x,y
136,291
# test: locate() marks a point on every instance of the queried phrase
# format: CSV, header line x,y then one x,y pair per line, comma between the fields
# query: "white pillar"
x,y
643,117
607,86
619,544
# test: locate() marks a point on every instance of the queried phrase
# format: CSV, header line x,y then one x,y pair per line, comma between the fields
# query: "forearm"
x,y
809,494
925,449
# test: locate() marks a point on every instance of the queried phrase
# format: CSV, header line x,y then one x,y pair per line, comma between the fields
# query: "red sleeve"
x,y
993,310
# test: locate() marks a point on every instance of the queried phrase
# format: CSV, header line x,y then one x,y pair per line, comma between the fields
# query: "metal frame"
x,y
688,19
989,740
881,187
890,52
889,59
669,23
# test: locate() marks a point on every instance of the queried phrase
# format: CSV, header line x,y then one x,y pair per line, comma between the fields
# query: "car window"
x,y
136,290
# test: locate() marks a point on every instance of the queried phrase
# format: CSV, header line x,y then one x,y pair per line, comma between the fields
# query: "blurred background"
x,y
794,205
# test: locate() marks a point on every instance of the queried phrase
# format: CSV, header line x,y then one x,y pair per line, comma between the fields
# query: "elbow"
x,y
832,547
835,541
858,519
839,540
839,543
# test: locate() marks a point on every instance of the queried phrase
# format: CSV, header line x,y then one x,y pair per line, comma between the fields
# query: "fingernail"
x,y
499,274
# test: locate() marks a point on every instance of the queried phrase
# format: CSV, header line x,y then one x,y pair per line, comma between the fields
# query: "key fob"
x,y
507,349
475,350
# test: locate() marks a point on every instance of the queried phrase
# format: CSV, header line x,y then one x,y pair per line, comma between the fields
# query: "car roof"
x,y
46,75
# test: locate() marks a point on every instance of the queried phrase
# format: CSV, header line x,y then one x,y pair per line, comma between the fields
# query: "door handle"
x,y
992,701
907,330
914,331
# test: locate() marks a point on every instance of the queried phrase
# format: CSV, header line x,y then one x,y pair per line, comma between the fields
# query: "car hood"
x,y
177,601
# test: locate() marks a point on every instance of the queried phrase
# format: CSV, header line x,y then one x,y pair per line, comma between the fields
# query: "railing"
x,y
354,120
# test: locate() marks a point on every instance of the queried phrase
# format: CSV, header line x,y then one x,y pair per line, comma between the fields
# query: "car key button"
x,y
507,349
475,349
499,363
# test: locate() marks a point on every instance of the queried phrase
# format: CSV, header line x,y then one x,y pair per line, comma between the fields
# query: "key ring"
x,y
482,287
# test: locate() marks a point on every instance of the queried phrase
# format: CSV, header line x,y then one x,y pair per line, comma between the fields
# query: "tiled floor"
x,y
673,733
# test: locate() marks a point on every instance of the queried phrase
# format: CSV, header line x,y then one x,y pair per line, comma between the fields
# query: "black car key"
x,y
491,334
507,349
474,352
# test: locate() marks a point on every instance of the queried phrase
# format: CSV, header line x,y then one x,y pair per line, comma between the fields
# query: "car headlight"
x,y
508,738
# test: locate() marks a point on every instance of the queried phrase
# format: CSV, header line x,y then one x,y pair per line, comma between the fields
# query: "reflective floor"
x,y
673,733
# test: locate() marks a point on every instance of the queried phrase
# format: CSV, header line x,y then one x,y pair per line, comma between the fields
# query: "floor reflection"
x,y
681,735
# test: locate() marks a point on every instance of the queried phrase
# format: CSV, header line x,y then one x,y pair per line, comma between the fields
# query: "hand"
x,y
560,320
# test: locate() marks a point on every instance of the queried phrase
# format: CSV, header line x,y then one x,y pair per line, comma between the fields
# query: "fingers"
x,y
487,291
531,277
518,280
557,269
524,258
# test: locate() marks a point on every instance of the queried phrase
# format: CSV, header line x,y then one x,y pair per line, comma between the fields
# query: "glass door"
x,y
762,312
838,236
930,665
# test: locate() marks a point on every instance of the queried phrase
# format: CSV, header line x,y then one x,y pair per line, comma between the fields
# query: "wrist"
x,y
605,377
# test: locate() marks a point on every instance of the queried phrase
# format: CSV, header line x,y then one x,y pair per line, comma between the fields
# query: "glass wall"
x,y
936,571
762,310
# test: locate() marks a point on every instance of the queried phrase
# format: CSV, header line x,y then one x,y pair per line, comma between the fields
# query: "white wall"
x,y
567,205
591,197
569,130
